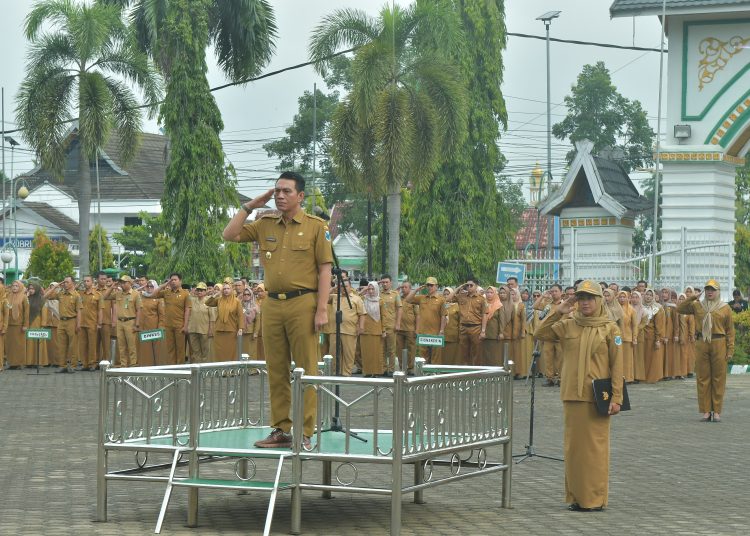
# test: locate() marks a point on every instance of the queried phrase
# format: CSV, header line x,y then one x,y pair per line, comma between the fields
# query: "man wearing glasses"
x,y
430,316
471,309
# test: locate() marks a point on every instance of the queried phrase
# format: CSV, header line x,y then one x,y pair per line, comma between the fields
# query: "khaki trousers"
x,y
289,334
127,343
389,350
552,355
175,345
199,348
433,355
406,340
348,348
469,344
87,347
711,374
103,342
67,341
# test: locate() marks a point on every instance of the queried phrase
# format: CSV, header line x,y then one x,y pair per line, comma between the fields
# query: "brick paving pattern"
x,y
670,474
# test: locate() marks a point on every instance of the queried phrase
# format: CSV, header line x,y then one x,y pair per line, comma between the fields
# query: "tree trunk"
x,y
369,237
384,238
84,210
394,223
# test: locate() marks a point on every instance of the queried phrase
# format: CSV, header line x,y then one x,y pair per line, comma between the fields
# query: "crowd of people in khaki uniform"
x,y
86,317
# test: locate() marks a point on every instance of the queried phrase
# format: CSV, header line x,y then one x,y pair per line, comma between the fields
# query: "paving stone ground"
x,y
670,474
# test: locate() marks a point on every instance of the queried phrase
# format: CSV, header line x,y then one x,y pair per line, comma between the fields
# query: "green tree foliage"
x,y
742,228
599,113
406,111
199,187
98,240
81,63
464,221
50,260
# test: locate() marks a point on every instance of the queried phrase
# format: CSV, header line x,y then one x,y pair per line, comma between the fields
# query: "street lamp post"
x,y
13,143
547,20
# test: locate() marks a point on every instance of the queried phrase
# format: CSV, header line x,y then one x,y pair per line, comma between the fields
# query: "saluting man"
x,y
714,346
295,249
70,320
176,316
128,309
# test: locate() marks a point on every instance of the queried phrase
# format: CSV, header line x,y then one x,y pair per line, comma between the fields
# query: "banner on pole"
x,y
151,335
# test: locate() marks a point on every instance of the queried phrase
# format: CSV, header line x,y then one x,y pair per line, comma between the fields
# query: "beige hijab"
x,y
710,306
594,332
614,310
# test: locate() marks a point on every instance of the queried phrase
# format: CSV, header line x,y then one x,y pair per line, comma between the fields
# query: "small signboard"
x,y
152,335
431,340
43,334
510,269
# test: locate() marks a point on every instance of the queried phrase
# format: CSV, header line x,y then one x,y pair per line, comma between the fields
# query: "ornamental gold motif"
x,y
715,55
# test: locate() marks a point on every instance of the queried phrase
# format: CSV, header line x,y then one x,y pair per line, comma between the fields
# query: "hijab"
x,y
710,306
372,303
249,307
494,304
16,299
506,313
154,284
225,306
637,309
614,310
36,301
595,329
650,309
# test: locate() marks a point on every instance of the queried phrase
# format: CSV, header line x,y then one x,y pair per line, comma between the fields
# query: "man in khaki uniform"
x,y
70,320
352,325
406,338
200,325
430,321
128,309
91,321
176,316
104,333
714,346
391,322
295,249
471,309
551,351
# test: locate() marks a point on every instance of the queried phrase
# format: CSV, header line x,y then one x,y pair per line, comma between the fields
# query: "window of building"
x,y
133,220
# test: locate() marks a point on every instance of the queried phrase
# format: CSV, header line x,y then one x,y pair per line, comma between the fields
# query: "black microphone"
x,y
320,213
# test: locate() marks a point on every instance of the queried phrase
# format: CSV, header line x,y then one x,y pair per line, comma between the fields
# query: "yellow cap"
x,y
126,277
201,286
228,281
590,287
431,281
712,283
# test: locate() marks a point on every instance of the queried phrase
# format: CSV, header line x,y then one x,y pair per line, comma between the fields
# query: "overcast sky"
x,y
259,112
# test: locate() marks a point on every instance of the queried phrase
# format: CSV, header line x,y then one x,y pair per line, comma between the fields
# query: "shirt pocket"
x,y
301,244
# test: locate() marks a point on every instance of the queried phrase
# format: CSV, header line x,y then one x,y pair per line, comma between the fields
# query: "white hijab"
x,y
372,303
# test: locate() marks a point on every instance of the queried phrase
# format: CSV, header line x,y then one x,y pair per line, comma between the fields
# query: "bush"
x,y
742,338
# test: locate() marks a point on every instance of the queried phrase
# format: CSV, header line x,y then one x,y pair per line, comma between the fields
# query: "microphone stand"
x,y
530,451
336,425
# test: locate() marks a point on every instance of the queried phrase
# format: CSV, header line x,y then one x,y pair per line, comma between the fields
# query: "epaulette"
x,y
269,215
314,217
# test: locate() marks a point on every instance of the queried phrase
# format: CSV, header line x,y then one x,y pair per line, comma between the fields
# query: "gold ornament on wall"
x,y
715,55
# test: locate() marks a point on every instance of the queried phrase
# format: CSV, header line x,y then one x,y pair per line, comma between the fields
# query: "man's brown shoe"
x,y
277,439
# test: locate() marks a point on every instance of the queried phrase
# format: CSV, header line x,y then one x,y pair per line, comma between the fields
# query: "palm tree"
x,y
81,66
241,32
406,112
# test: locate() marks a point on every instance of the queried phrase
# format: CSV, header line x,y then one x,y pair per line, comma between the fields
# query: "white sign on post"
x,y
431,340
151,335
39,334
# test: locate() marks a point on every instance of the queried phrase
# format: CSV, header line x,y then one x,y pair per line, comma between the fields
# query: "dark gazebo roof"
x,y
630,8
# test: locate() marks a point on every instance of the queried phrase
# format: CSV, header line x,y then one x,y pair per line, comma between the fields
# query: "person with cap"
x,y
91,321
200,325
392,312
128,311
228,325
430,321
406,338
152,317
551,353
591,349
69,306
297,257
176,316
104,332
714,334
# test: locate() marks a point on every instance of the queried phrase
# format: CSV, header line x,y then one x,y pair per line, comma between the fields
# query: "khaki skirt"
x,y
586,455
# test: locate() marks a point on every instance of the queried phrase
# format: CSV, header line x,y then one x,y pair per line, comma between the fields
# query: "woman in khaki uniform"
x,y
4,314
50,320
687,340
653,333
497,326
152,317
250,313
260,296
639,363
37,319
449,329
591,349
518,334
18,323
671,327
715,346
371,338
532,322
230,319
629,330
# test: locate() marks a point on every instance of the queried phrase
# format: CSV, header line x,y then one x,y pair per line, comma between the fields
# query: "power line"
x,y
587,43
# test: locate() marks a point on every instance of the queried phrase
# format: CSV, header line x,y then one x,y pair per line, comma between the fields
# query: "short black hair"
x,y
569,288
642,281
299,180
179,275
626,288
100,273
473,280
514,278
386,276
553,285
73,279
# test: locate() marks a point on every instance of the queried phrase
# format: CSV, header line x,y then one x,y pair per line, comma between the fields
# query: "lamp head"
x,y
547,17
6,257
23,192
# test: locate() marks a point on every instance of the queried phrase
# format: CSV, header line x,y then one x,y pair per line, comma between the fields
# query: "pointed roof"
x,y
632,8
596,181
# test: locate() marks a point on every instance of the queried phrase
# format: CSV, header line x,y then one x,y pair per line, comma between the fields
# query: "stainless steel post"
x,y
194,432
683,256
399,409
508,447
298,419
101,458
327,478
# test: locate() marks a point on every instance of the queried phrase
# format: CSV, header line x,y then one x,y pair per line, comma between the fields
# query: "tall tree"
x,y
599,113
406,111
81,61
742,227
50,260
464,221
199,187
100,248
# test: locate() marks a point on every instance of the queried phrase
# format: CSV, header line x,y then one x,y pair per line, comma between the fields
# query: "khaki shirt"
x,y
349,317
201,315
290,252
70,303
91,303
409,313
430,312
722,322
235,314
175,305
127,304
4,314
374,327
452,325
605,360
152,314
391,305
471,308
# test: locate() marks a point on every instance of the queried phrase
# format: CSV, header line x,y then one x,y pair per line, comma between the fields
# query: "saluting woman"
x,y
591,349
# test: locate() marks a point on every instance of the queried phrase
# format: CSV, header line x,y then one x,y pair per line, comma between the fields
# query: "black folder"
x,y
603,395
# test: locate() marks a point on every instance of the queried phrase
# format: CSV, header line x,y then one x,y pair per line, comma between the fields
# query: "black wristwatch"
x,y
247,210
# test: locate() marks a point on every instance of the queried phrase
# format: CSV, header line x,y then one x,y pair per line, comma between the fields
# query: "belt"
x,y
699,336
67,317
470,325
289,295
125,318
